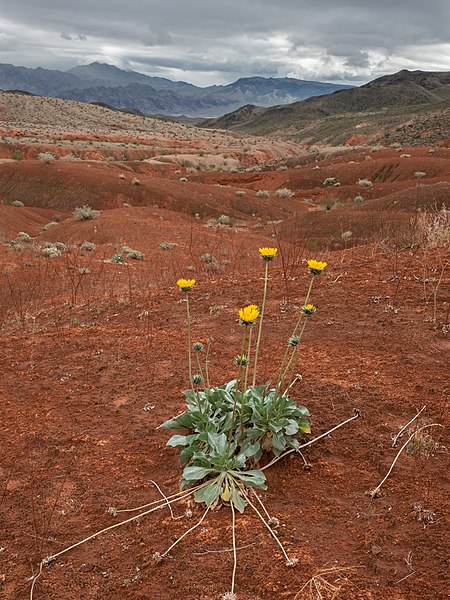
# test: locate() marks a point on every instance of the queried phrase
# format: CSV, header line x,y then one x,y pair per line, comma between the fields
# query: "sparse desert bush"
x,y
117,258
282,168
46,157
135,182
308,200
166,246
284,193
86,213
17,203
240,193
51,251
358,199
405,155
330,182
327,203
121,176
135,254
365,183
262,194
49,225
420,174
183,179
24,237
224,220
88,246
346,235
61,247
377,148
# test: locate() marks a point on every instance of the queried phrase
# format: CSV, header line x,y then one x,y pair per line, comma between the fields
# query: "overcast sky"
x,y
217,41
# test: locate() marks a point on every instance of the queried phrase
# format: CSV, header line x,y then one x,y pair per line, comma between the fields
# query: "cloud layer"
x,y
210,41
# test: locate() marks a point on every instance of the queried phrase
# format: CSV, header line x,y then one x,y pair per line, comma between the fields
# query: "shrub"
x,y
330,182
24,237
284,193
17,203
86,213
183,179
224,220
262,194
49,225
240,193
51,252
46,157
358,199
135,255
166,246
327,203
135,182
419,174
88,246
364,183
118,258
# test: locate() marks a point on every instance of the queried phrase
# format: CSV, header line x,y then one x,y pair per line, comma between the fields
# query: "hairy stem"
x,y
263,306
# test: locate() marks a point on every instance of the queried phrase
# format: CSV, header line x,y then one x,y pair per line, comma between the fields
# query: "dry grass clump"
x,y
432,228
326,584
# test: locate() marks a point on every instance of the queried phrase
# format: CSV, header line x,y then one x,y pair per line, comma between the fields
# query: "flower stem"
x,y
263,306
236,391
244,386
206,363
286,354
194,390
189,340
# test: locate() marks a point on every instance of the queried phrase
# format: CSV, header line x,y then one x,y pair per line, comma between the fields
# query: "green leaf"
x,y
212,492
278,443
171,424
186,419
238,501
196,473
218,442
304,426
249,448
186,455
177,440
292,428
253,478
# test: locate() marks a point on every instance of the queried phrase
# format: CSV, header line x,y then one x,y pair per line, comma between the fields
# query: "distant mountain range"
x,y
122,89
378,107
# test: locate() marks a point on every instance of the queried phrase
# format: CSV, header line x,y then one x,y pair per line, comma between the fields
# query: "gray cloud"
x,y
207,41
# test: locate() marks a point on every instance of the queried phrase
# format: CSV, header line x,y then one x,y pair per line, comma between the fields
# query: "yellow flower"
x,y
185,285
316,266
248,314
268,253
309,309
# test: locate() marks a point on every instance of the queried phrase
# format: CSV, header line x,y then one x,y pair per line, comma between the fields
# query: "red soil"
x,y
93,361
80,441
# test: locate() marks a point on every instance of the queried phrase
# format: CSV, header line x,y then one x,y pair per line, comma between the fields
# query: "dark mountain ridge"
x,y
388,100
99,82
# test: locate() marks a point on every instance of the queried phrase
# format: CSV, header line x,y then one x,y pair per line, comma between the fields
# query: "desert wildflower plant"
x,y
228,430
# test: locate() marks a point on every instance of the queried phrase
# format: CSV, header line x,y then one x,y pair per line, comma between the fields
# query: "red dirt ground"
x,y
76,382
93,361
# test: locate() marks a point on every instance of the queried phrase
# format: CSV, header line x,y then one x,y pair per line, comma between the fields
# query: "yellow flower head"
x,y
309,309
268,253
248,314
185,285
316,266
